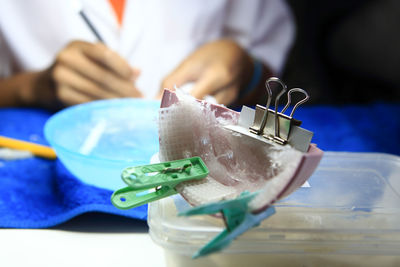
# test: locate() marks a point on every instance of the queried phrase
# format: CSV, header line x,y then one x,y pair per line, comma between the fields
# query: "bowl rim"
x,y
49,128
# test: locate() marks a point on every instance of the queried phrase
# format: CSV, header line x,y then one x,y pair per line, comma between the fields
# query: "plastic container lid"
x,y
352,207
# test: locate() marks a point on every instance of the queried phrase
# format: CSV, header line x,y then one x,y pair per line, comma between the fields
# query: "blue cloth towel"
x,y
39,193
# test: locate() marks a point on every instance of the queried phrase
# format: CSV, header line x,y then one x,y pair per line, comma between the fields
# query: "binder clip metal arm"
x,y
237,217
263,124
156,181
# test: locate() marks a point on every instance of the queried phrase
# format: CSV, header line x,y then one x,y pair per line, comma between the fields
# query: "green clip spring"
x,y
152,182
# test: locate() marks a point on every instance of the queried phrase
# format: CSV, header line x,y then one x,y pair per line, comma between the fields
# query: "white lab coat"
x,y
156,35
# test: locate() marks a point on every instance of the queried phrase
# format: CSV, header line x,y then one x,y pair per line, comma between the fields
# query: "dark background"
x,y
346,51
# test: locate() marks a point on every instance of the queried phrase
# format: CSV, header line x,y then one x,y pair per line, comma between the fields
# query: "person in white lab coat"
x,y
50,58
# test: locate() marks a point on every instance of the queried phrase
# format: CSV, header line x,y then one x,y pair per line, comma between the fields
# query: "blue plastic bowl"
x,y
97,140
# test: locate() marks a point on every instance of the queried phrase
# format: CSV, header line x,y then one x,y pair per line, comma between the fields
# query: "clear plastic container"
x,y
349,216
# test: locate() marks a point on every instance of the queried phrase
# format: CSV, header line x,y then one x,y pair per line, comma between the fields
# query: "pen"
x,y
91,26
35,149
77,6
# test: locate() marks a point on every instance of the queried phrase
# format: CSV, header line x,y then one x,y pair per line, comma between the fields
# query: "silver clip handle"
x,y
269,92
298,103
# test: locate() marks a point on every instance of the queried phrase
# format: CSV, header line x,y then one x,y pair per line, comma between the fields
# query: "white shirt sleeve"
x,y
265,28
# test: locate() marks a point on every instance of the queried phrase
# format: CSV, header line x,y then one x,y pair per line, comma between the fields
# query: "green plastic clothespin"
x,y
161,178
237,216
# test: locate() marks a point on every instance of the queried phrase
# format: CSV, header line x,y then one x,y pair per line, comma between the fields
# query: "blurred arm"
x,y
224,68
81,72
266,31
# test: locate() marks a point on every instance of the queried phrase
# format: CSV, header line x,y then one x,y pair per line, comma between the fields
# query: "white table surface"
x,y
88,240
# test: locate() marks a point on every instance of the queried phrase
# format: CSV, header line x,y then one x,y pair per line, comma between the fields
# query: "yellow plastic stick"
x,y
37,150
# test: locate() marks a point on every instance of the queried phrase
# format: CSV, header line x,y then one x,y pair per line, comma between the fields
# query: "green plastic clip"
x,y
237,216
160,179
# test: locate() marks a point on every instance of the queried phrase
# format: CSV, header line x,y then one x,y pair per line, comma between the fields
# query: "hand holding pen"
x,y
84,72
81,72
